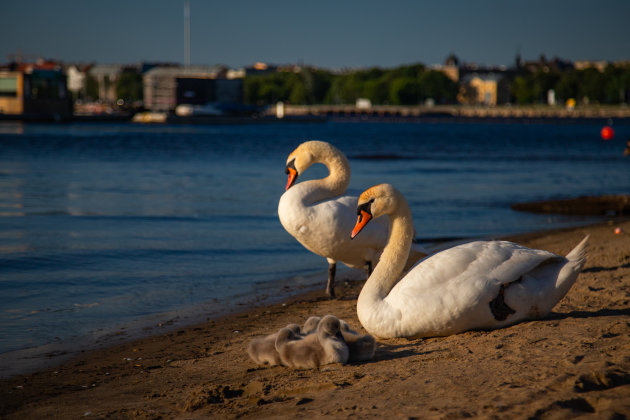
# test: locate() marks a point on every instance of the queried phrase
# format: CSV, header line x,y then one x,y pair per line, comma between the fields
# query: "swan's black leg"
x,y
368,269
330,287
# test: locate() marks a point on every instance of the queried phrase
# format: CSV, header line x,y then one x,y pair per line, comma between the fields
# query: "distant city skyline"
x,y
326,34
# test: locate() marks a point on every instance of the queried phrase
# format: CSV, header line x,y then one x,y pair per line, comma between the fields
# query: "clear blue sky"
x,y
331,34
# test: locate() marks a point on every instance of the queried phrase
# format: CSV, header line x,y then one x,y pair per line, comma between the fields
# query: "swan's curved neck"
x,y
333,185
392,262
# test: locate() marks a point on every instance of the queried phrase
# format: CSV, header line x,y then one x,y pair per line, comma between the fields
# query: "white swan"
x,y
319,214
479,285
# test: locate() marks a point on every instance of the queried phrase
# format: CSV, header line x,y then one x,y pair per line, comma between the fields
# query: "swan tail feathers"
x,y
578,254
575,261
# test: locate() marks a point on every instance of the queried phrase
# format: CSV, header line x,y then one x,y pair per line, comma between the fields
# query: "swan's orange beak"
x,y
292,177
362,220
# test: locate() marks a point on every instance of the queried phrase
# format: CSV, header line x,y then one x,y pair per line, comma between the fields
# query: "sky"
x,y
323,33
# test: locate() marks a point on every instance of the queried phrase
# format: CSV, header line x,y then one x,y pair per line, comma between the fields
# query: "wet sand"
x,y
575,361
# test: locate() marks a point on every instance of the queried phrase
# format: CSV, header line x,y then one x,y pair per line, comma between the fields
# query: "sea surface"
x,y
108,230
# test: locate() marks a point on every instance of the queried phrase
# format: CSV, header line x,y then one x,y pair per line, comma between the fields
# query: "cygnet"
x,y
263,349
310,326
361,347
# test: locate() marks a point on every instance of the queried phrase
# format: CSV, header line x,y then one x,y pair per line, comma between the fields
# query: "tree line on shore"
x,y
415,84
400,86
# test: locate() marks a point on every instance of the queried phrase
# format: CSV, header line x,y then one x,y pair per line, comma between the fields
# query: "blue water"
x,y
106,225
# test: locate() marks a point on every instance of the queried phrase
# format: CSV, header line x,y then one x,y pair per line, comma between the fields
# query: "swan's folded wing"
x,y
517,260
459,280
471,267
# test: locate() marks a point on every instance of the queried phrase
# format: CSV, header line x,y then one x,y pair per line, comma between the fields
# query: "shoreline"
x,y
29,360
571,362
33,359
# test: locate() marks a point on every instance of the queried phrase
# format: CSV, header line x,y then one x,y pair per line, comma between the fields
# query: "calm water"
x,y
107,226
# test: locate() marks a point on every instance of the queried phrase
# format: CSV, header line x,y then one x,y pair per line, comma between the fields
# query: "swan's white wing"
x,y
451,291
465,275
501,261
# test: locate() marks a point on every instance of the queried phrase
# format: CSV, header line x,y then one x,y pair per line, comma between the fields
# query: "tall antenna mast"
x,y
187,33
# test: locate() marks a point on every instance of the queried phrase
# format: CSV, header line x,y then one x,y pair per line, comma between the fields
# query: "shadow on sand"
x,y
600,269
398,351
589,314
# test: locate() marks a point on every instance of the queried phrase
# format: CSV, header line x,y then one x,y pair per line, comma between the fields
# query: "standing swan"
x,y
319,214
479,285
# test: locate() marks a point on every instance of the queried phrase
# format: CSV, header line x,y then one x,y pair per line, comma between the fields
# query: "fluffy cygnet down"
x,y
311,325
263,349
361,347
325,346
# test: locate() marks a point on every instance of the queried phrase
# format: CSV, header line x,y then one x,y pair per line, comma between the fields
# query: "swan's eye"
x,y
366,207
290,165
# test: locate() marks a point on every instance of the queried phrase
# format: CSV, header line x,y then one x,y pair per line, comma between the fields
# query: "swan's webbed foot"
x,y
330,287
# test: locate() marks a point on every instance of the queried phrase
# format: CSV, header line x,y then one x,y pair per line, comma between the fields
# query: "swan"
x,y
478,285
360,347
325,346
263,349
319,213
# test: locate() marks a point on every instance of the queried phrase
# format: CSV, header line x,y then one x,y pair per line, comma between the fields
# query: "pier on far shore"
x,y
464,112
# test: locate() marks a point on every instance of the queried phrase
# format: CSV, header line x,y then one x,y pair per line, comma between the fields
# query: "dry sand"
x,y
574,362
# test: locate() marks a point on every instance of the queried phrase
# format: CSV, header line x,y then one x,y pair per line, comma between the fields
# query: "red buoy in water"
x,y
607,132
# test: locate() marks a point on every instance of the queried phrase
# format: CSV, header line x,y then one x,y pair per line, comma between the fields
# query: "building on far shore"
x,y
106,76
167,87
77,80
34,91
488,89
584,64
544,65
450,68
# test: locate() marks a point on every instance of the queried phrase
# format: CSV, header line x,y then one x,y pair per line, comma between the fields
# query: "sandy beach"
x,y
574,362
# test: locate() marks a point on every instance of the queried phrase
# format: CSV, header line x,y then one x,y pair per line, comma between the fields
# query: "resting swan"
x,y
479,285
319,214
